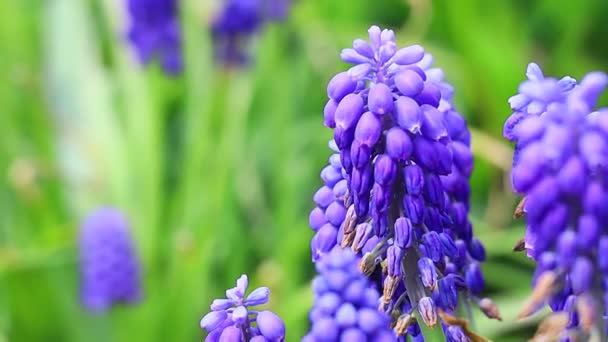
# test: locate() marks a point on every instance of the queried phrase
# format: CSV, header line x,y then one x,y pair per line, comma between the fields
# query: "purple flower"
x,y
231,319
562,172
109,268
405,161
154,32
534,97
238,21
345,309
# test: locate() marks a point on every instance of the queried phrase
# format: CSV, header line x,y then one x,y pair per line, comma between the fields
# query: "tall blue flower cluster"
x,y
236,24
154,32
397,188
562,170
109,268
232,320
345,302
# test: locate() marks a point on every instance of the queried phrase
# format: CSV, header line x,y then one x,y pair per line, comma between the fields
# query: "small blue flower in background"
x,y
109,268
562,172
231,318
236,24
345,303
154,31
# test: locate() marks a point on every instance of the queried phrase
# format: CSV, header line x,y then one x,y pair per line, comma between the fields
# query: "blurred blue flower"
x,y
562,170
231,319
154,31
237,23
345,302
109,268
534,96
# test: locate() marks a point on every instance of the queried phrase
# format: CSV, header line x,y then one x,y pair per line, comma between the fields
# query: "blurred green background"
x,y
216,168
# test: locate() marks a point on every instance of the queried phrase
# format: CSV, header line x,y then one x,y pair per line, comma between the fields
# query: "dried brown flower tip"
x,y
368,264
403,322
520,246
544,287
551,328
519,210
490,309
586,309
347,240
463,324
390,286
350,221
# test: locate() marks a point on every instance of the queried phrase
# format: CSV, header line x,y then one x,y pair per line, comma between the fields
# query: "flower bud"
x,y
353,57
567,248
403,233
409,55
433,245
409,114
213,319
414,179
346,316
449,246
385,170
349,111
432,124
258,296
414,208
409,82
380,99
363,48
398,144
430,95
329,113
231,333
335,213
581,275
394,257
368,129
428,273
489,308
340,86
474,278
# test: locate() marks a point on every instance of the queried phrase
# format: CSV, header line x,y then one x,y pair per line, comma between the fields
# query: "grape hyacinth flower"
x,y
400,181
109,268
154,32
236,24
345,302
231,319
562,172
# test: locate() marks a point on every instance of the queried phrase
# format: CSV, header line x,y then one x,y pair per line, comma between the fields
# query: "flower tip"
x,y
271,326
258,296
534,72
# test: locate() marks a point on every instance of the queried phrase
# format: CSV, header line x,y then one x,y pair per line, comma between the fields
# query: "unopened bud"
x,y
490,309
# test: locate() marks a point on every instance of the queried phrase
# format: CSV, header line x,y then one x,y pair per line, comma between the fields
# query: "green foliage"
x,y
216,168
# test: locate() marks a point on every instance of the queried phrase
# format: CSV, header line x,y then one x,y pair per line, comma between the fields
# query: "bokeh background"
x,y
216,168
